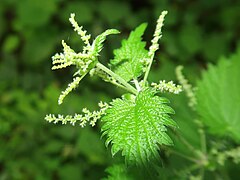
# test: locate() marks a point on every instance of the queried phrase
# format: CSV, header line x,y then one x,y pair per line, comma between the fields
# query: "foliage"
x,y
196,33
210,100
137,126
218,97
128,59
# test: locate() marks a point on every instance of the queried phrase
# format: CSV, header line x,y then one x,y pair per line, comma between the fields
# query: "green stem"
x,y
117,77
148,70
119,85
184,156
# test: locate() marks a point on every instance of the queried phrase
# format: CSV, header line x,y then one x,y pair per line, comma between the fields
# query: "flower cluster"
x,y
82,119
85,37
70,87
157,34
69,57
221,157
85,60
63,60
145,62
186,86
167,86
81,60
154,47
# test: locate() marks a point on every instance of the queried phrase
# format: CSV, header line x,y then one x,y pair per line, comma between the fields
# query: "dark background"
x,y
195,33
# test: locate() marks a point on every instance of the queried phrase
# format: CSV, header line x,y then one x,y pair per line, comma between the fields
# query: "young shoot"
x,y
136,123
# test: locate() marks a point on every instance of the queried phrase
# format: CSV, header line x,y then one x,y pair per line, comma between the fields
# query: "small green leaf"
x,y
219,98
128,59
98,42
137,126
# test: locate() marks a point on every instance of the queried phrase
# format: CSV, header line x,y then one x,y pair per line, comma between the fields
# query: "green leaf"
x,y
117,172
98,42
219,98
136,127
127,60
188,128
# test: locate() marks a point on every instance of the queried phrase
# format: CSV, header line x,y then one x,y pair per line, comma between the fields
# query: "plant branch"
x,y
154,47
148,69
117,77
184,156
119,85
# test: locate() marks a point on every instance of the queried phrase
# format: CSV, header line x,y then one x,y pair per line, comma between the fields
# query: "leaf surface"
x,y
218,97
127,60
137,126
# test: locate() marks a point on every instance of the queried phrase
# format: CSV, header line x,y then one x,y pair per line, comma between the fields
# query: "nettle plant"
x,y
135,124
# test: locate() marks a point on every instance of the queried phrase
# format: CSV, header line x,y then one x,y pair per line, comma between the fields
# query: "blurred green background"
x,y
195,33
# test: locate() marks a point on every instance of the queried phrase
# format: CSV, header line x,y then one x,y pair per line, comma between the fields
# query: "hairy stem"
x,y
148,69
119,85
117,77
154,47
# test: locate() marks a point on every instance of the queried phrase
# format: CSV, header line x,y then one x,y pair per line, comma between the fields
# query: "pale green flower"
x,y
186,86
167,86
82,119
